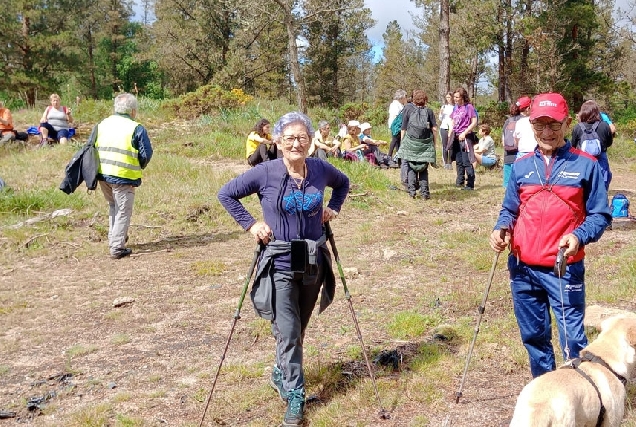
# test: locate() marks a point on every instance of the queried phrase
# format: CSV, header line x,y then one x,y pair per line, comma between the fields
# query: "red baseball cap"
x,y
551,105
523,102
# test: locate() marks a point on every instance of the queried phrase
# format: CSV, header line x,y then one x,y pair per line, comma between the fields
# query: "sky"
x,y
385,11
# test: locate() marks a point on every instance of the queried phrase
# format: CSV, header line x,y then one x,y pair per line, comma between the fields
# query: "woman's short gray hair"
x,y
399,94
291,118
125,103
322,124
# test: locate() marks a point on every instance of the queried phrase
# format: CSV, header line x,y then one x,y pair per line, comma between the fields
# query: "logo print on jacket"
x,y
528,175
296,202
568,175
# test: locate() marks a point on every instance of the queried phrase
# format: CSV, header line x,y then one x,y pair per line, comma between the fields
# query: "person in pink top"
x,y
461,132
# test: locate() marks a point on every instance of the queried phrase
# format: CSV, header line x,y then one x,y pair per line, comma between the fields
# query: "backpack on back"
x,y
590,142
508,133
620,206
419,127
396,124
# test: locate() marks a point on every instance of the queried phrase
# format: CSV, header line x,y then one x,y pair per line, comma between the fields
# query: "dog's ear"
x,y
631,333
607,323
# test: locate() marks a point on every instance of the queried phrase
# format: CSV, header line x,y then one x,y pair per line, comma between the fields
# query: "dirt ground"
x,y
65,349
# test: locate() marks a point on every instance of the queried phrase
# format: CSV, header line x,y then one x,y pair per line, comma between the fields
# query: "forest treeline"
x,y
315,52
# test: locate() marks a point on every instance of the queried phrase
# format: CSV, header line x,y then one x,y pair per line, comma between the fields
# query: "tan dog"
x,y
565,398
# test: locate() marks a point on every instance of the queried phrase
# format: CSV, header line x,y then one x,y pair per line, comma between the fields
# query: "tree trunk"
x,y
501,93
90,40
472,78
508,52
299,81
27,61
523,66
444,49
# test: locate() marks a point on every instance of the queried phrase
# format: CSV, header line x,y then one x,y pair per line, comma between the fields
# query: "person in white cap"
x,y
351,146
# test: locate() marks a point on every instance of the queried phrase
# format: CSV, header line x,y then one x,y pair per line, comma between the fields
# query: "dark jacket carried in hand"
x,y
83,167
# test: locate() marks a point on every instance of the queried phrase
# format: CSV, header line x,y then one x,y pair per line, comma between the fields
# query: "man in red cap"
x,y
510,144
524,135
555,200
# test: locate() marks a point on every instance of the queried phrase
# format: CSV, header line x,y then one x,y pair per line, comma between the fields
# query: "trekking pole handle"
x,y
502,232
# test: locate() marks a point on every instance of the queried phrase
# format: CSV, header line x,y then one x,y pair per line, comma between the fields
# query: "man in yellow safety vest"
x,y
124,149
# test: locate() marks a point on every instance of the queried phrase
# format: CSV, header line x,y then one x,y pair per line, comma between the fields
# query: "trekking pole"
x,y
482,308
384,414
237,316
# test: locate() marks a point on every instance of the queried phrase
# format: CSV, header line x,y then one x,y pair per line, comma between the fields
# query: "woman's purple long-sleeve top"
x,y
291,212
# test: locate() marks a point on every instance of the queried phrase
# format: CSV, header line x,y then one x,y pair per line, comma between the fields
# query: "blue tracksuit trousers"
x,y
534,291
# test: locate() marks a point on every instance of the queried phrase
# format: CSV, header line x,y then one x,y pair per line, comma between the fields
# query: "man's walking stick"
x,y
237,316
383,412
482,308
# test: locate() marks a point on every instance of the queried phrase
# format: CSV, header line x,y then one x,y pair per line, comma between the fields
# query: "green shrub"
x,y
207,100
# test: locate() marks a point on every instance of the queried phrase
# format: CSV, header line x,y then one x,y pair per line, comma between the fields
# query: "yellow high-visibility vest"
x,y
117,156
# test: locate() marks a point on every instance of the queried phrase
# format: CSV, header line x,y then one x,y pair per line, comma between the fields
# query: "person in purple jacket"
x,y
295,262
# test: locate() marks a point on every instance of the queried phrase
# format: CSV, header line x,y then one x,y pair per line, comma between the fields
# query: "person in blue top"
x,y
124,149
607,120
291,191
555,200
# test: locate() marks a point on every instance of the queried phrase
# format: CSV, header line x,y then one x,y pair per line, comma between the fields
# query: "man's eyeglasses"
x,y
554,126
288,140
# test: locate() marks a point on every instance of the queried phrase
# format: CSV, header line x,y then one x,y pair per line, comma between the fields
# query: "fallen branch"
x,y
28,242
136,254
366,193
54,214
146,226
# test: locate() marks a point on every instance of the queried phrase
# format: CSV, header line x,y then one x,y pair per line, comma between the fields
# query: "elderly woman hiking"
x,y
417,149
295,263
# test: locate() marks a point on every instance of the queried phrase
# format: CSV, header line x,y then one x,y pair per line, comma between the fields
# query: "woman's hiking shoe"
x,y
276,381
295,406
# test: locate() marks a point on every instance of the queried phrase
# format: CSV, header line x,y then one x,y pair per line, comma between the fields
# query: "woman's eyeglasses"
x,y
288,140
554,126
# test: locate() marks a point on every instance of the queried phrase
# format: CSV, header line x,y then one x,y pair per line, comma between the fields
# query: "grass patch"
x,y
407,325
208,268
120,339
92,416
80,350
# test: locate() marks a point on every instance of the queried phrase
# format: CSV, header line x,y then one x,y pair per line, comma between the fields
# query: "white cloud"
x,y
385,11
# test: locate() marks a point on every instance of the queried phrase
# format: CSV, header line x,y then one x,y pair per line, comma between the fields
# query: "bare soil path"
x,y
150,362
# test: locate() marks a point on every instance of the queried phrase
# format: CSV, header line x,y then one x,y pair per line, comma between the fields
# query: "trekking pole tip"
x,y
458,396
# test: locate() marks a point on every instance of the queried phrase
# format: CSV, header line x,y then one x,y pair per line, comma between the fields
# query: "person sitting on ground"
x,y
351,146
6,125
56,121
324,144
373,147
259,146
485,149
7,132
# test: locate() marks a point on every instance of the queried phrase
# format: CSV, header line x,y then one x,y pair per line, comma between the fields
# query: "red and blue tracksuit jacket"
x,y
543,203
